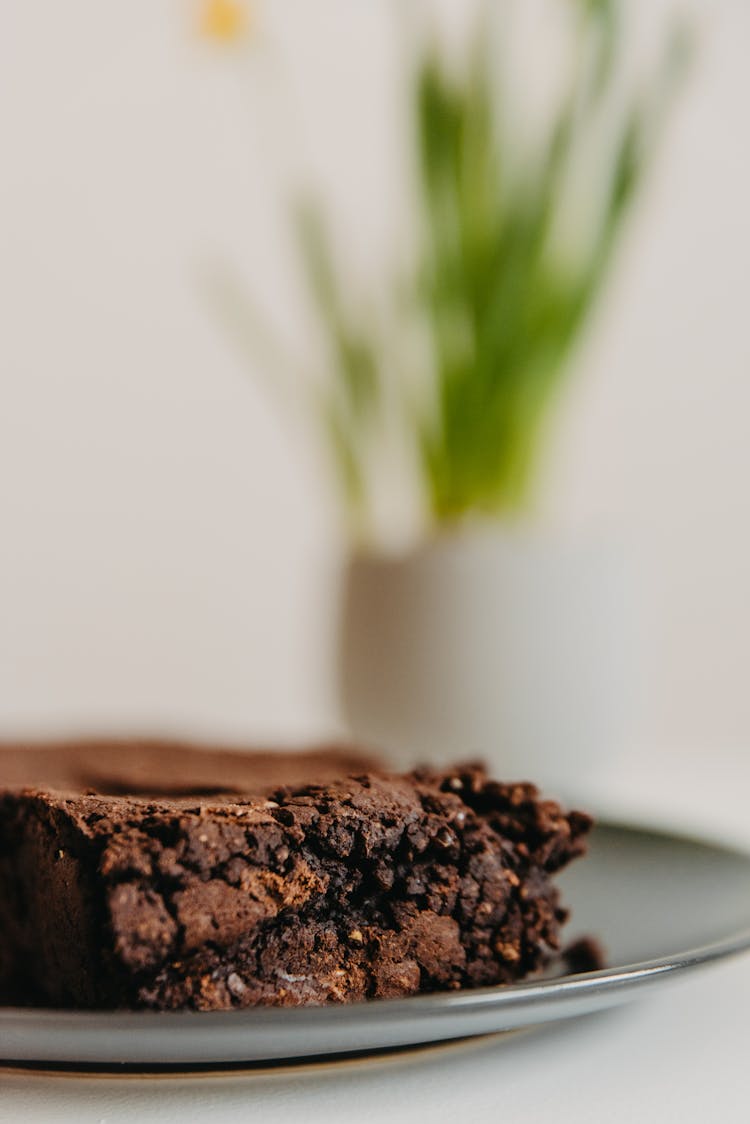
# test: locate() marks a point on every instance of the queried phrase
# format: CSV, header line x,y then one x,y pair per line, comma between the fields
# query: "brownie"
x,y
302,879
169,768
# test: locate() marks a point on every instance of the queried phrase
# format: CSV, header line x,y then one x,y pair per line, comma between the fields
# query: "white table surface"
x,y
681,1054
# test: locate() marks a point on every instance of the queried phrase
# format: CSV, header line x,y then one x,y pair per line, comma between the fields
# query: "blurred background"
x,y
170,533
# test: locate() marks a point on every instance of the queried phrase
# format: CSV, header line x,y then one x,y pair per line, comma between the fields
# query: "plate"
x,y
662,905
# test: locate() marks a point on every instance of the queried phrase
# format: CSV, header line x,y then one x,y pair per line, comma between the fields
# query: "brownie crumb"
x,y
584,955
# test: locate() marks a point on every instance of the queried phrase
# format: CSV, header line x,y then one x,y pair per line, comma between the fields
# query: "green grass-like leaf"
x,y
501,306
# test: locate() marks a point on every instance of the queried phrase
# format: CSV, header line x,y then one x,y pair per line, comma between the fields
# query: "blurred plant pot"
x,y
499,643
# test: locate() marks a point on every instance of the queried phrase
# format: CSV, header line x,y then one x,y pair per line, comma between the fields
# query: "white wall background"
x,y
163,524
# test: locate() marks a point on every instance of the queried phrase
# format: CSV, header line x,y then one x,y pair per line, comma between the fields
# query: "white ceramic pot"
x,y
500,644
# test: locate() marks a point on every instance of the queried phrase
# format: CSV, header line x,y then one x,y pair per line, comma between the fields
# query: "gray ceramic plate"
x,y
661,905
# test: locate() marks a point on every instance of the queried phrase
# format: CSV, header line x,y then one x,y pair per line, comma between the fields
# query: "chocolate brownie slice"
x,y
364,885
154,767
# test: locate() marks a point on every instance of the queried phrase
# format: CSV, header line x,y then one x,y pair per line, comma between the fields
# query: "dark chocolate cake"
x,y
168,877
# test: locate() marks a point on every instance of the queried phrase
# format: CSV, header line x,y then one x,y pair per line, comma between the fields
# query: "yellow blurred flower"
x,y
224,20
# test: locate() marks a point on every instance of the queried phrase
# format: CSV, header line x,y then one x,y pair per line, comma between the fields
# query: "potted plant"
x,y
464,627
